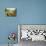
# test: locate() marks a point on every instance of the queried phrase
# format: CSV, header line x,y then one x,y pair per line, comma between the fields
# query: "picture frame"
x,y
10,11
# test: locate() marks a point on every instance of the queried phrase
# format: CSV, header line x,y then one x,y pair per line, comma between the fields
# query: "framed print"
x,y
10,11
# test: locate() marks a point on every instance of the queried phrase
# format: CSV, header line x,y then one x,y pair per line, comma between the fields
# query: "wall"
x,y
28,12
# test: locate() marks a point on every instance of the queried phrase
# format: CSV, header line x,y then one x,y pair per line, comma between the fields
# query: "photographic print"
x,y
10,11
